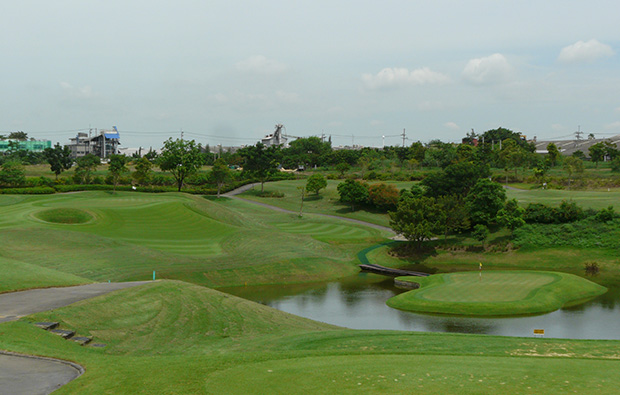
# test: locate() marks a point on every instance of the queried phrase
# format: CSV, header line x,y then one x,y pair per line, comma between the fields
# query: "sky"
x,y
226,72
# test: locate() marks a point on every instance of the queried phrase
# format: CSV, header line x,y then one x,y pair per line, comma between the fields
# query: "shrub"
x,y
591,268
383,196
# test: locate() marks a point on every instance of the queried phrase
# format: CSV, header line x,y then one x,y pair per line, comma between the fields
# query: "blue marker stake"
x,y
153,275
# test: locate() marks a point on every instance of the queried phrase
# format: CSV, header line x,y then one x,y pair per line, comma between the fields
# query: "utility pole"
x,y
383,142
181,133
578,133
404,137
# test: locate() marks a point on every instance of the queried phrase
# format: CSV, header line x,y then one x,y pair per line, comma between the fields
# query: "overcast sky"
x,y
225,72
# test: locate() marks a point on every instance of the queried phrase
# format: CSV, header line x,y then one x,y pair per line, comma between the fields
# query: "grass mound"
x,y
497,293
64,216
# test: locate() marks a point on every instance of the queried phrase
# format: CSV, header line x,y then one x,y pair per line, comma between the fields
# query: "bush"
x,y
383,196
591,268
605,215
28,191
538,213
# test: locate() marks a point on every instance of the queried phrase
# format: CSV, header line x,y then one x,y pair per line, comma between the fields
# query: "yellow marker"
x,y
480,265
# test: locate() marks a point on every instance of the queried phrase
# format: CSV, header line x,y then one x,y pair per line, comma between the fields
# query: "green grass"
x,y
215,243
18,275
172,337
495,293
326,202
597,200
64,216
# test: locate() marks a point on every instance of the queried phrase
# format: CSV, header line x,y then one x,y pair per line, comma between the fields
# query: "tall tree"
x,y
143,168
597,153
511,216
181,158
117,167
484,200
573,165
59,158
85,166
353,192
512,156
261,161
21,136
417,219
220,174
553,155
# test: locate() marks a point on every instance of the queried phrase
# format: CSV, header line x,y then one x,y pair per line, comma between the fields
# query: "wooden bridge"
x,y
388,271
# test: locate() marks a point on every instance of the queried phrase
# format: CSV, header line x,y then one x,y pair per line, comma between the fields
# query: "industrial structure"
x,y
569,147
276,138
102,143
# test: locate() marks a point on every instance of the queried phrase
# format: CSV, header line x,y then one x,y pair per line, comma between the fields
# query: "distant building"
x,y
103,144
568,147
276,138
30,145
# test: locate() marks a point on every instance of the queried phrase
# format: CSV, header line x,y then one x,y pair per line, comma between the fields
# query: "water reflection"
x,y
359,303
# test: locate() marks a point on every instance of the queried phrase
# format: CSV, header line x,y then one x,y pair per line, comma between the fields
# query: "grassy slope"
x,y
553,197
173,337
327,202
222,243
495,293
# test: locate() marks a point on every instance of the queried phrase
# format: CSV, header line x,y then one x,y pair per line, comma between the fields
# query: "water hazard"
x,y
359,303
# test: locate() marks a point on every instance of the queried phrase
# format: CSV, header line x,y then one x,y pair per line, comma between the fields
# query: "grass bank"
x,y
201,341
495,293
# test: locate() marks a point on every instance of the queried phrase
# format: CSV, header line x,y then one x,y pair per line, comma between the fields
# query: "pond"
x,y
358,302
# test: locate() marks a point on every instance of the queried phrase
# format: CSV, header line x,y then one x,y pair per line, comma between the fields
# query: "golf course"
x,y
180,335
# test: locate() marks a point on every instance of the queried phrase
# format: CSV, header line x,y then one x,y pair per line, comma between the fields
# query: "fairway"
x,y
553,197
68,239
495,293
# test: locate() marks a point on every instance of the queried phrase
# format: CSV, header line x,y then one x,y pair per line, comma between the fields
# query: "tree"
x,y
553,154
480,233
85,166
59,158
353,192
455,179
511,216
484,200
20,136
343,167
12,174
383,196
417,219
597,153
260,161
181,158
572,165
117,167
315,183
512,155
456,217
143,170
220,174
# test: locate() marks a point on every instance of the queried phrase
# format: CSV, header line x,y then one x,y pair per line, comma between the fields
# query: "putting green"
x,y
495,293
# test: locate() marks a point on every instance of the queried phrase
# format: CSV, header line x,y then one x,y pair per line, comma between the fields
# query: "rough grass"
x,y
18,275
173,337
64,216
553,197
495,293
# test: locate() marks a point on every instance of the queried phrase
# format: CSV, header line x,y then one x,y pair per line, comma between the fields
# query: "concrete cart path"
x,y
21,374
15,305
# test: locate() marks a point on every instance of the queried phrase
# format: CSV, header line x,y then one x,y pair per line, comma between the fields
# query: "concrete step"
x,y
65,334
47,325
81,340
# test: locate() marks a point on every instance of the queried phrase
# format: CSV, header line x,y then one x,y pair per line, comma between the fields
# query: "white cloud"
x,y
394,77
261,65
489,70
586,52
451,125
85,92
557,127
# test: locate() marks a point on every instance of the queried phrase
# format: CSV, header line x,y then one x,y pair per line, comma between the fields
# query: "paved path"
x,y
15,305
23,374
233,194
